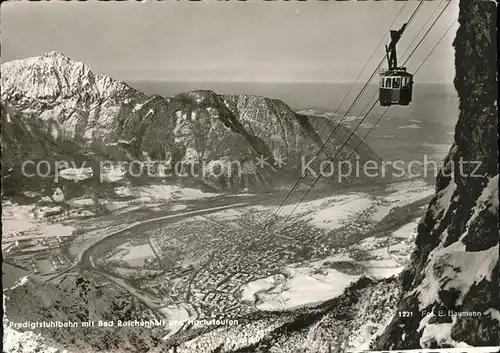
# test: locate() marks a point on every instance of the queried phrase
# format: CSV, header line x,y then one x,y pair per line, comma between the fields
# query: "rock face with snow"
x,y
63,101
74,300
454,270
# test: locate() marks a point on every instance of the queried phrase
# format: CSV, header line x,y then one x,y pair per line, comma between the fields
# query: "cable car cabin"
x,y
396,87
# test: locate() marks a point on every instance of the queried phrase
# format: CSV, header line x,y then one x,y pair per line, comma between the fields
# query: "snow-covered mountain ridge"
x,y
52,75
69,103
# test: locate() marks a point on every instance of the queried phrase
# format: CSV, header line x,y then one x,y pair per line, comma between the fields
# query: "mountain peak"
x,y
55,54
52,75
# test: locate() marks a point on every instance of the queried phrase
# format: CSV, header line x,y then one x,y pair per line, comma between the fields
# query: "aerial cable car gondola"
x,y
396,84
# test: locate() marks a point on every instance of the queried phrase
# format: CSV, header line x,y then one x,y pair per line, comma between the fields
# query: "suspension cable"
x,y
364,117
427,32
434,48
330,137
423,27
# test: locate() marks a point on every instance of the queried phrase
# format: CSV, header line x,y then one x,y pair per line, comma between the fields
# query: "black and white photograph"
x,y
249,176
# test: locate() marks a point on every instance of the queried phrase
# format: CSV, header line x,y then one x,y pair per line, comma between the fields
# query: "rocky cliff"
x,y
63,101
31,307
454,270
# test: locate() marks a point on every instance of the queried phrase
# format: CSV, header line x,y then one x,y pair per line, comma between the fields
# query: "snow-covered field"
x,y
305,288
301,286
315,283
151,196
134,255
28,221
21,222
408,231
402,193
161,192
334,212
338,212
177,316
169,192
410,126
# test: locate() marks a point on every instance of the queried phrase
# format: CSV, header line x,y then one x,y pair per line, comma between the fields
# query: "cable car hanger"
x,y
392,60
396,85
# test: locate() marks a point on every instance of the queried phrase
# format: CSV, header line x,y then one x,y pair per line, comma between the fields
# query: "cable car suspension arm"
x,y
390,49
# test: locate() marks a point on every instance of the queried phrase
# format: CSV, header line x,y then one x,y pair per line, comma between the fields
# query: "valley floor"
x,y
192,256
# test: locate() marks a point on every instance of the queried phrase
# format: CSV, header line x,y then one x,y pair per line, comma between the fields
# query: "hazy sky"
x,y
226,41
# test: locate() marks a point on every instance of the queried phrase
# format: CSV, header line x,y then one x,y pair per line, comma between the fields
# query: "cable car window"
x,y
388,82
396,82
405,82
382,80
